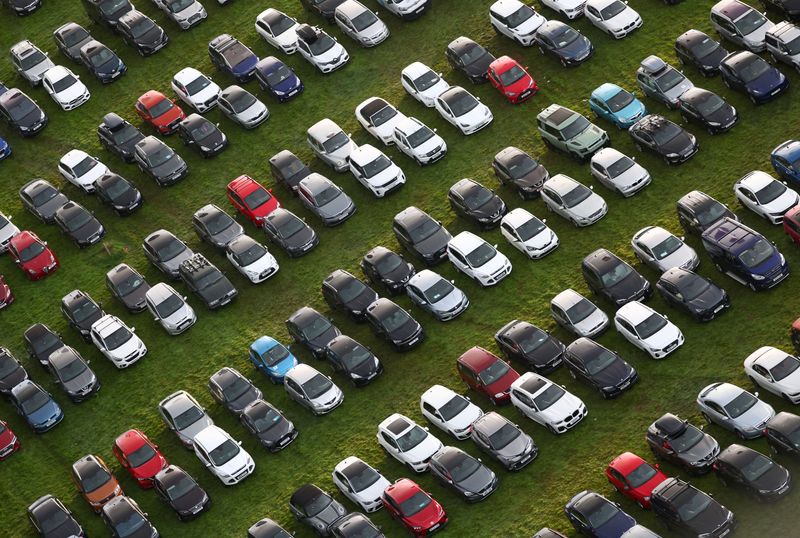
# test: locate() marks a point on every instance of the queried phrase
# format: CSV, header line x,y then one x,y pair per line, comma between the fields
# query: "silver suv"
x,y
661,81
783,43
30,62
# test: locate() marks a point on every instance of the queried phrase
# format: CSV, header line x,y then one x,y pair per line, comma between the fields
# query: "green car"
x,y
569,131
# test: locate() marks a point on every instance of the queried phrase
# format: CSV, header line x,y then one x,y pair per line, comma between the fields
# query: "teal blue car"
x,y
616,105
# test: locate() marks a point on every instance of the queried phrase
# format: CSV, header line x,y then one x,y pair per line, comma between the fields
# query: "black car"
x,y
70,38
471,200
273,430
125,519
40,341
21,113
684,508
671,438
207,282
355,525
234,391
516,168
698,211
42,199
141,32
215,227
311,329
388,269
564,42
72,373
288,169
290,232
353,360
757,474
783,434
692,293
12,373
709,109
789,8
267,528
159,161
23,7
524,342
201,133
422,235
106,12
599,367
593,515
464,55
394,324
128,286
696,48
325,8
79,224
665,138
316,508
166,252
119,136
467,476
753,75
52,519
102,62
81,311
119,193
181,492
342,291
610,276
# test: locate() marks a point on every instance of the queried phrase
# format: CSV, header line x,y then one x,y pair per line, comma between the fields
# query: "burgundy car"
x,y
32,255
487,373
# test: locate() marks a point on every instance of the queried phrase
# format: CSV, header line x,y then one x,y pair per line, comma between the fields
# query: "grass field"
x,y
525,501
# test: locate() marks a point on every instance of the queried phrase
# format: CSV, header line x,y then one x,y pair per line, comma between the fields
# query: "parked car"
x,y
242,107
662,82
29,61
272,358
288,169
708,109
577,314
119,193
599,367
65,88
450,412
181,492
780,43
536,349
344,292
783,434
786,160
439,296
69,38
122,512
379,118
290,232
233,57
753,472
214,226
278,29
388,269
266,528
118,136
680,442
184,416
32,255
751,74
231,389
418,232
141,32
79,224
665,138
325,199
407,442
573,201
50,517
139,456
315,508
465,55
166,252
734,409
272,429
422,83
648,330
251,259
463,110
42,199
6,295
740,24
36,406
80,311
161,113
170,309
40,342
571,9
566,44
394,324
467,476
634,478
661,250
593,515
312,330
353,360
683,508
610,276
72,374
692,293
511,79
698,49
504,441
308,387
406,9
528,234
158,160
618,172
195,89
791,224
569,131
515,20
614,17
24,7
106,12
95,481
486,373
477,259
251,199
697,211
128,286
516,168
774,370
330,144
12,371
117,341
546,403
185,13
21,113
616,105
320,49
765,196
360,24
207,282
360,482
418,141
375,171
278,79
223,456
471,200
81,169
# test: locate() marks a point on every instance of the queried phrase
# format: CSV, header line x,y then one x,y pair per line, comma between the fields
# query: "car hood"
x,y
127,348
251,112
236,463
563,408
275,433
127,198
577,48
475,116
588,207
287,85
679,144
542,239
678,90
68,529
758,35
767,82
331,55
623,19
534,178
634,110
86,324
173,264
36,116
709,519
7,232
664,337
615,526
614,374
677,258
168,168
628,286
190,11
301,238
493,265
46,412
217,290
724,115
715,58
136,299
449,302
592,320
80,382
773,479
491,208
435,91
406,331
213,140
384,177
329,514
322,340
504,383
190,500
343,152
478,481
546,352
37,71
480,66
516,447
72,93
427,448
702,450
336,206
262,264
782,203
711,297
632,175
530,26
588,137
756,416
470,414
375,490
434,243
206,93
150,38
329,396
228,234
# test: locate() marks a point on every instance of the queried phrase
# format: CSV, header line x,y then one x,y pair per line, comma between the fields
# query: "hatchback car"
x,y
486,373
325,199
740,24
515,20
40,341
751,74
32,255
119,193
360,24
139,456
231,389
288,169
477,259
242,107
776,371
36,406
117,341
511,79
418,232
616,105
316,508
233,57
387,269
51,518
161,113
648,330
504,441
79,224
698,49
106,12
678,441
95,481
418,141
344,292
312,330
308,387
330,143
526,343
752,472
610,276
467,476
569,131
465,55
166,252
422,83
734,409
278,29
223,456
184,416
566,44
272,358
439,296
42,199
278,79
195,89
783,434
81,169
207,282
471,200
80,311
707,109
320,49
634,478
765,196
618,172
528,234
215,226
141,32
200,133
577,314
407,10
29,61
593,515
661,250
407,442
272,429
72,374
65,88
448,411
666,139
685,509
118,136
251,199
394,324
661,81
379,118
516,168
360,482
463,110
694,294
251,259
12,371
170,309
128,286
573,201
123,513
290,232
181,492
546,403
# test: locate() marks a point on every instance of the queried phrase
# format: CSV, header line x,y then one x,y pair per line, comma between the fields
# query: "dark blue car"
x,y
786,160
751,74
232,56
37,406
5,149
567,44
593,515
272,358
279,79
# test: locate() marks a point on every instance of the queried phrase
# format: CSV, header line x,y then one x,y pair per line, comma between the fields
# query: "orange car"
x,y
95,481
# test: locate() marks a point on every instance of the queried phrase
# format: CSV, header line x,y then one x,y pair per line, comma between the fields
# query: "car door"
x,y
592,280
528,407
579,522
344,486
417,297
391,445
618,481
402,237
748,198
432,414
180,90
295,391
467,375
304,50
200,229
510,234
644,253
645,140
48,87
718,415
629,332
448,114
558,205
560,316
494,79
648,85
593,15
457,203
764,378
579,372
459,261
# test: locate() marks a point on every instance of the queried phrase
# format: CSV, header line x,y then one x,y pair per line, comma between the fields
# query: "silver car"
x,y
434,293
735,409
361,24
30,62
662,250
330,143
185,13
169,308
661,81
308,387
183,415
315,508
578,314
782,41
325,199
504,441
242,107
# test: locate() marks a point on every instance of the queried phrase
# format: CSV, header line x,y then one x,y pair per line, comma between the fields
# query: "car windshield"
x,y
599,362
477,196
757,467
131,283
129,526
439,291
641,475
396,319
356,356
203,131
530,228
141,455
363,478
704,47
101,56
510,76
125,134
602,515
612,10
217,222
291,168
200,83
35,401
141,27
411,438
620,166
84,310
426,229
327,196
691,503
236,389
95,478
53,520
580,310
382,116
317,386
257,198
671,78
171,249
78,220
181,487
751,22
47,341
531,340
117,338
564,36
740,405
712,213
548,397
522,165
317,326
335,142
224,453
464,468
83,167
176,6
770,192
266,418
666,132
461,103
420,136
110,6
793,46
275,77
241,101
754,256
753,69
44,195
280,25
617,274
481,255
322,44
275,354
63,83
389,263
351,289
686,440
169,306
494,372
505,435
414,504
650,326
377,166
364,20
692,286
188,417
575,128
160,108
519,16
784,368
162,155
251,255
290,227
472,54
31,251
709,103
71,370
20,107
620,100
452,408
426,80
32,60
667,247
576,195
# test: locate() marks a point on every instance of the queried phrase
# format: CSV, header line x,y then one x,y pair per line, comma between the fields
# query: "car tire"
x,y
666,160
496,30
563,62
753,100
574,222
740,434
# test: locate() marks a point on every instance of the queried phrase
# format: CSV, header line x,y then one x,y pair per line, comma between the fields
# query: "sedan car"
x,y
698,49
526,343
278,79
563,42
195,89
325,199
231,389
422,83
783,434
360,482
181,492
214,226
118,136
278,29
141,32
418,141
36,406
184,416
162,113
207,282
734,409
486,373
471,200
308,387
577,314
431,292
290,232
223,456
312,330
613,17
128,286
463,110
102,62
666,139
65,88
452,413
69,38
593,515
573,201
139,456
708,109
315,508
320,49
242,107
634,477
765,196
166,252
72,374
503,441
418,232
394,324
272,429
467,476
661,250
692,293
119,193
288,169
79,224
407,442
81,169
122,513
32,255
546,403
117,341
360,24
752,472
776,371
751,74
379,118
21,113
51,518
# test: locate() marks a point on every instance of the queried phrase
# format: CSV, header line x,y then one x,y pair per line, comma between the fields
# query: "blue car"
x,y
786,160
5,149
593,515
616,105
751,74
272,358
37,406
279,79
232,56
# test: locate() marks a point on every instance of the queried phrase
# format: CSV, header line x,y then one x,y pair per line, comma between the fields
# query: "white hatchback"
x,y
360,482
528,234
408,442
477,259
223,456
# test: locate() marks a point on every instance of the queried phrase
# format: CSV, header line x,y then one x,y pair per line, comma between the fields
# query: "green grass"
x,y
525,501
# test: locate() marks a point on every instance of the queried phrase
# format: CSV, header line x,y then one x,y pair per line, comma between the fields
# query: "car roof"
x,y
551,27
676,274
151,97
63,356
606,91
194,120
302,373
517,217
283,157
365,154
602,260
269,64
396,424
737,455
160,238
120,272
86,465
561,183
57,72
160,292
695,94
73,297
210,437
352,466
756,180
768,356
425,279
721,393
728,233
178,402
465,242
694,199
504,8
452,93
607,156
785,31
24,48
416,69
130,440
691,37
107,324
509,153
314,183
69,28
477,358
382,307
25,389
187,75
411,216
784,422
324,129
651,123
73,157
733,9
557,115
586,502
653,65
466,185
241,244
670,424
651,236
272,15
635,312
408,125
370,106
438,395
626,462
531,382
150,143
567,298
735,59
789,149
461,44
351,8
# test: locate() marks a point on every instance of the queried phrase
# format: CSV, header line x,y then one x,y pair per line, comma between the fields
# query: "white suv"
x,y
408,442
117,341
320,49
477,259
195,89
223,456
515,20
360,482
422,83
419,141
647,329
571,9
373,169
449,411
765,196
82,170
546,403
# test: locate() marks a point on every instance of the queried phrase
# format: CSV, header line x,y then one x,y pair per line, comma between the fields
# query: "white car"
x,y
65,87
449,411
373,169
477,259
408,442
320,49
242,107
307,386
330,143
662,250
360,23
360,482
185,13
571,9
419,141
578,314
614,17
278,29
7,231
117,341
169,308
463,110
546,403
572,200
251,258
379,118
765,196
422,83
515,20
648,330
528,234
196,89
618,172
82,170
223,456
776,371
406,9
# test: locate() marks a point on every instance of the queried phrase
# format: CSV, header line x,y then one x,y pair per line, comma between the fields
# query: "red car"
x,y
32,255
8,441
791,224
139,456
160,112
487,373
634,477
512,80
6,297
251,199
413,507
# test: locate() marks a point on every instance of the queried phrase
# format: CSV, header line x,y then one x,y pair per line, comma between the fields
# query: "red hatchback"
x,y
8,441
32,255
634,477
6,296
139,456
487,373
413,507
251,199
791,224
160,112
512,80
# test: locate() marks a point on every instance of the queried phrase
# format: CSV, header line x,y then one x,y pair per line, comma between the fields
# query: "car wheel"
x,y
542,52
740,434
666,160
574,222
706,417
496,29
641,505
552,429
563,62
711,130
549,209
719,267
786,397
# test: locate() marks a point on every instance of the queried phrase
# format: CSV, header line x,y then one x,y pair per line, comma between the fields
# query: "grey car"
x,y
504,441
734,409
325,199
661,81
242,107
42,199
170,309
72,373
166,252
159,161
30,62
128,285
185,13
676,440
215,227
315,508
230,388
184,416
70,38
467,476
330,143
782,43
434,293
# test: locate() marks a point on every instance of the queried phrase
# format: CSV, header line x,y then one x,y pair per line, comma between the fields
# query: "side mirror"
x,y
544,221
495,245
155,319
435,130
133,329
239,443
755,394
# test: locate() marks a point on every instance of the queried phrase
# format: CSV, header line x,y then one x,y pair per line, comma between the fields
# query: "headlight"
x,y
672,155
756,277
499,395
714,123
469,494
464,124
278,92
783,260
32,271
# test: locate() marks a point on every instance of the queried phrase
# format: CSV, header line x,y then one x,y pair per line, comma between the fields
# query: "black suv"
x,y
613,278
81,311
421,234
526,343
698,211
106,12
386,268
687,510
752,471
395,325
665,138
694,294
475,202
599,367
22,113
40,341
676,440
142,33
344,292
118,136
208,282
325,8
